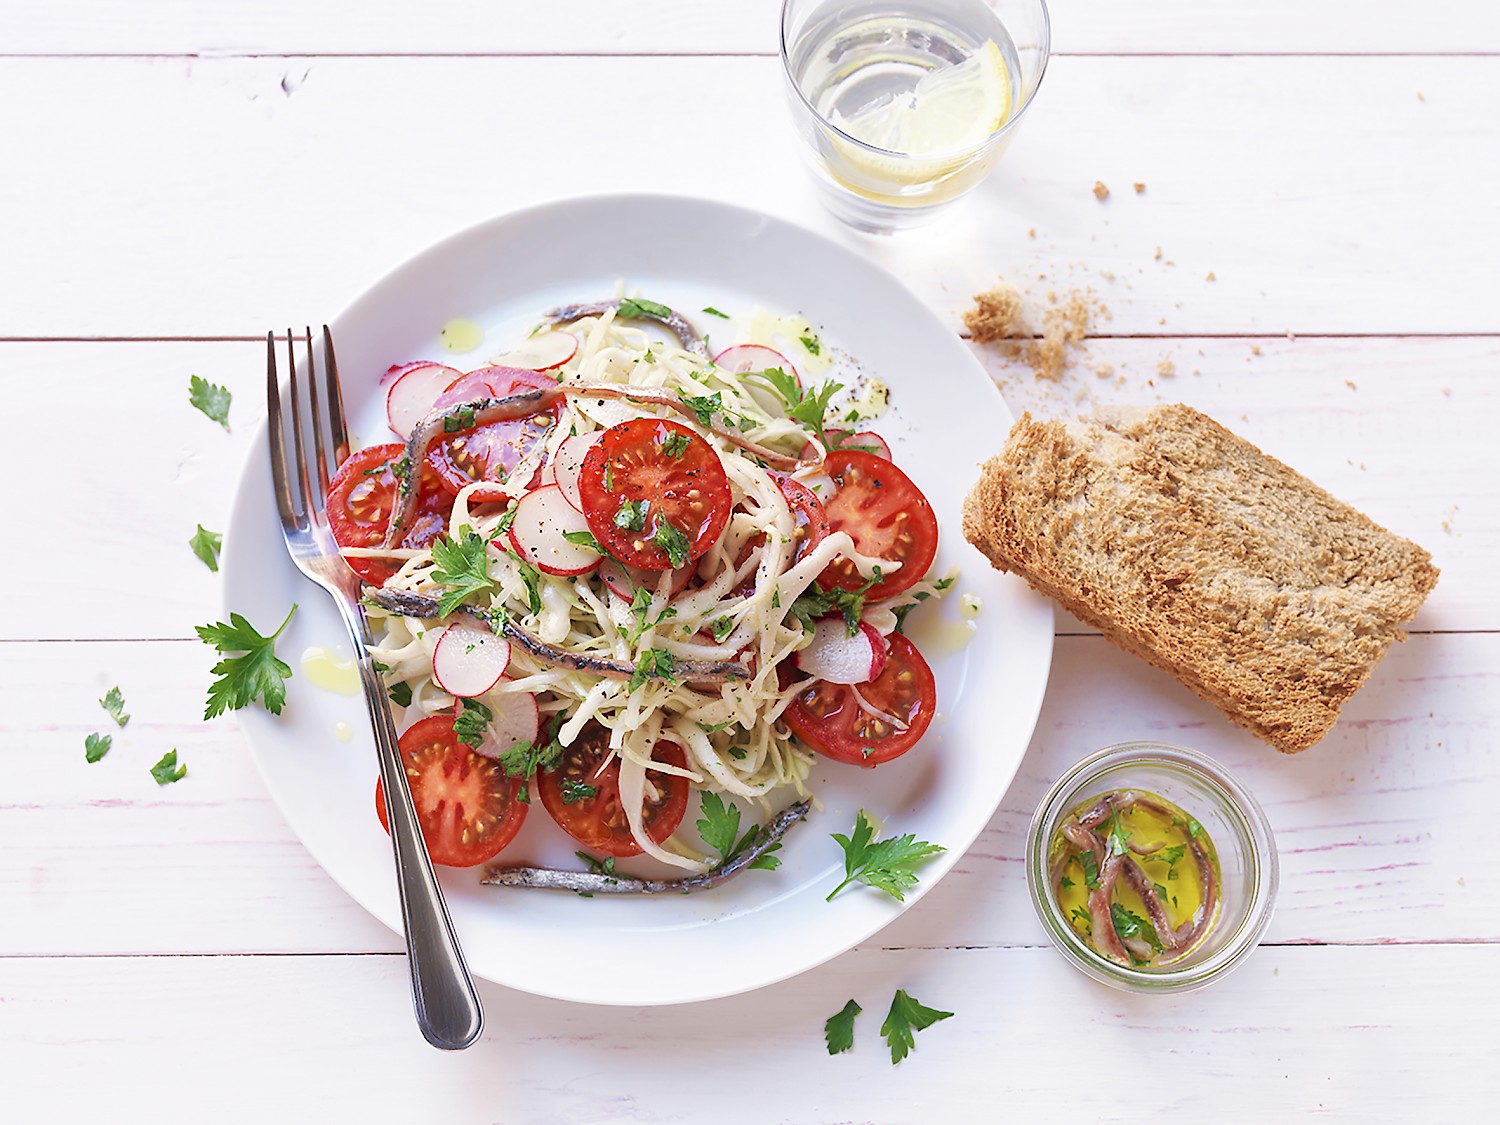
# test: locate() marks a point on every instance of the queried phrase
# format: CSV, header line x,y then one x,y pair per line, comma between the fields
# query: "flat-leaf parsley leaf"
x,y
462,566
207,545
888,865
255,674
114,703
95,746
905,1017
167,770
210,398
838,1029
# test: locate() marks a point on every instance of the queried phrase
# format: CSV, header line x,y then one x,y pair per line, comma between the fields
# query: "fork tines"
x,y
306,415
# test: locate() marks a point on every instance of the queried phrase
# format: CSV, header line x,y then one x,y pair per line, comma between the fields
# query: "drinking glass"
x,y
904,105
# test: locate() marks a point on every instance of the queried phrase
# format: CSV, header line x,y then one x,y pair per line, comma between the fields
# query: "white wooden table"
x,y
180,176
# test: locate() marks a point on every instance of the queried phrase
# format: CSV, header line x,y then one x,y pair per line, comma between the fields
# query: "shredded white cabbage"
x,y
745,588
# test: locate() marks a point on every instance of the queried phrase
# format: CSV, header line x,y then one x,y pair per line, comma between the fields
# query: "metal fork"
x,y
448,1010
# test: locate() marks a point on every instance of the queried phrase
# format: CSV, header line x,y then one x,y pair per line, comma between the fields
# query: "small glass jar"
x,y
1231,817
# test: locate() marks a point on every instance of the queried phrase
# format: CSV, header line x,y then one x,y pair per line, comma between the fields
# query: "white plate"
x,y
945,418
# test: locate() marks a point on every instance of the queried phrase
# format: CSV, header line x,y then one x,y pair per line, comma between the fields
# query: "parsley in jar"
x,y
1136,877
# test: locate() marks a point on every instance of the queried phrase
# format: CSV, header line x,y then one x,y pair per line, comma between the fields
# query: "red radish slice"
x,y
516,720
566,463
623,580
543,520
867,441
837,657
396,370
468,660
541,353
413,394
467,388
743,359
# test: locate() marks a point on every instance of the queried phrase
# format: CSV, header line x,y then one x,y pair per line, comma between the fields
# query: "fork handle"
x,y
447,1005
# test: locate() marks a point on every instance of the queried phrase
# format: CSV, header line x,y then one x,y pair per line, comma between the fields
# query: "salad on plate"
x,y
613,572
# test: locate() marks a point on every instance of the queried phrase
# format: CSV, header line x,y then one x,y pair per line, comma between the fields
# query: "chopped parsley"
x,y
672,542
1129,925
1117,840
811,344
632,515
808,407
640,605
921,596
704,406
676,445
531,578
95,746
606,866
1171,857
1090,867
887,865
525,758
637,308
257,673
720,627
1066,884
584,539
210,398
715,728
838,1029
574,791
905,1017
719,827
711,311
114,703
461,419
462,565
167,770
1082,917
400,693
207,545
471,722
817,602
655,663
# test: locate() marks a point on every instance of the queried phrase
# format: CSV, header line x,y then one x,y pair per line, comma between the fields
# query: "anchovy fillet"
x,y
596,883
695,671
480,412
674,322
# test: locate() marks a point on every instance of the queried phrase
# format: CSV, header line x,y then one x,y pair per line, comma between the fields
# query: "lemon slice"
x,y
949,110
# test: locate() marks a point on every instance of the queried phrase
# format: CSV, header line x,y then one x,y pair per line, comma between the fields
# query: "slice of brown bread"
x,y
1194,550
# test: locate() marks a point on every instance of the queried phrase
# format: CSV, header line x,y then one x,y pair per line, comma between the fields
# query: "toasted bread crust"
x,y
1191,548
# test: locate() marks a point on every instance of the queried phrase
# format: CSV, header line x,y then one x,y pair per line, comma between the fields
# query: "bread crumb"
x,y
1420,98
1162,320
1101,193
1350,384
1107,275
1255,349
1447,524
1031,233
1200,351
1165,367
1210,276
1104,370
1139,188
996,315
1448,392
1158,254
1289,335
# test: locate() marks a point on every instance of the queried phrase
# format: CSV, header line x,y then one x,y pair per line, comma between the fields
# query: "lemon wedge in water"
x,y
949,110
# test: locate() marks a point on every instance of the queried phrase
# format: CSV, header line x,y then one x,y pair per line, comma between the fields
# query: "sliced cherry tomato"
x,y
809,526
360,498
654,493
597,819
492,451
886,515
830,720
466,805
